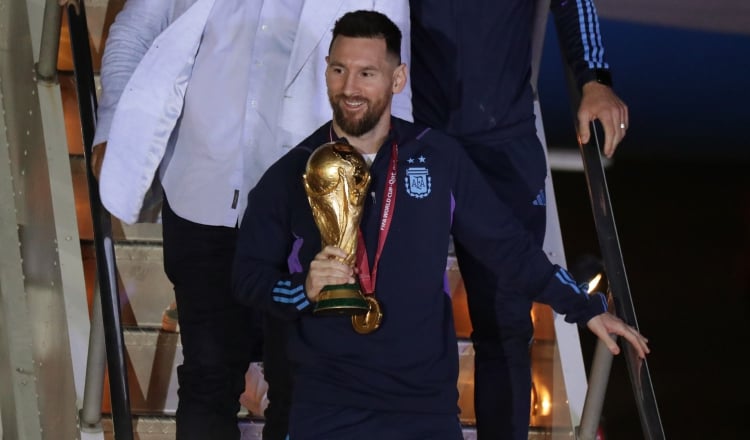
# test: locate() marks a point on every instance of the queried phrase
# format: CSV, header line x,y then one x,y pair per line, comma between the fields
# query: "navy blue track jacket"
x,y
471,63
410,364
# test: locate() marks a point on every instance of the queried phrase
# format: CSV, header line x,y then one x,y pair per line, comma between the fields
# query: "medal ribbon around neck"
x,y
367,277
370,321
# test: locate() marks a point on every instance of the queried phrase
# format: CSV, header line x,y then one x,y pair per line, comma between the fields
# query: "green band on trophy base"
x,y
341,299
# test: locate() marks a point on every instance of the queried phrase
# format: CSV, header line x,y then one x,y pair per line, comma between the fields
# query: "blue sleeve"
x,y
568,298
260,275
487,228
577,25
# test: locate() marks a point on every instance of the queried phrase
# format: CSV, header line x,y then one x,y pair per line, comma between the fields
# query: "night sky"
x,y
687,91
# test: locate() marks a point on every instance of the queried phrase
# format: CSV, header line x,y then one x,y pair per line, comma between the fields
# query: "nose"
x,y
350,84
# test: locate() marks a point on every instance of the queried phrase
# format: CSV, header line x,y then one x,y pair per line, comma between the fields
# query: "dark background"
x,y
680,193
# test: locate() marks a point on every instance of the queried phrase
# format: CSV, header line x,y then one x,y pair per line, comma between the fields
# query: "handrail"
x,y
46,68
591,415
619,290
102,225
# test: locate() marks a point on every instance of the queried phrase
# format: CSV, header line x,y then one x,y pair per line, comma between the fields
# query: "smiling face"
x,y
362,78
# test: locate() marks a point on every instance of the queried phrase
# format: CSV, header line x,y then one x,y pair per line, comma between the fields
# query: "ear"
x,y
399,78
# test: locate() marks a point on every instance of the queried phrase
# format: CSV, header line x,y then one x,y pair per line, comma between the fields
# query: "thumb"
x,y
611,344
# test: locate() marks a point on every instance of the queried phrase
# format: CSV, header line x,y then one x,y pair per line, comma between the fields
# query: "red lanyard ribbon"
x,y
366,277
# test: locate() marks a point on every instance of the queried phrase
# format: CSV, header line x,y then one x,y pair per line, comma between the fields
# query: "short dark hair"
x,y
369,24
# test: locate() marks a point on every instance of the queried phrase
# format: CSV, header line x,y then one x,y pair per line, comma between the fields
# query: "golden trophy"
x,y
336,180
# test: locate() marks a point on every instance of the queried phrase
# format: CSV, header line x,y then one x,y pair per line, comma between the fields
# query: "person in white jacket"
x,y
199,97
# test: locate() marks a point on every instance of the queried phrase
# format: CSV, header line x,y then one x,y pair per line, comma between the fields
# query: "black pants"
x,y
501,318
219,336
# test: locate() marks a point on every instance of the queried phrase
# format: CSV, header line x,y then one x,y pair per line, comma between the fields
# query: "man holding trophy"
x,y
385,367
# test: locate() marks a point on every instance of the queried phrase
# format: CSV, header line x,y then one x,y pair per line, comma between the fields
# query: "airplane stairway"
x,y
152,355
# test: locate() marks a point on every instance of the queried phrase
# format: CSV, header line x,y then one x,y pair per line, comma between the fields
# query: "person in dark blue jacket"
x,y
471,78
398,381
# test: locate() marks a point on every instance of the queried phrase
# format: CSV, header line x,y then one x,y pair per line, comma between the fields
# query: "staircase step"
x,y
145,291
153,356
164,428
144,287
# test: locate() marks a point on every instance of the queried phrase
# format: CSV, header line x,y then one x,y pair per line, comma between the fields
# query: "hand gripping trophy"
x,y
336,180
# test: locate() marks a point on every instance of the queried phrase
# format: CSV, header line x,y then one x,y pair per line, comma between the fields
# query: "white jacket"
x,y
137,123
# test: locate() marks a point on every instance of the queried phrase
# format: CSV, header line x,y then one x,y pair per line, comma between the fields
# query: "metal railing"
x,y
109,304
614,266
619,292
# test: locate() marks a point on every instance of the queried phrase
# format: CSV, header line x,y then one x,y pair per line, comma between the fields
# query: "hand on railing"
x,y
599,102
606,324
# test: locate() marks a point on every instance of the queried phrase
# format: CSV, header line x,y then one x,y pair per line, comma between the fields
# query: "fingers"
x,y
636,340
600,329
584,133
331,253
611,344
327,268
612,136
615,125
607,324
599,102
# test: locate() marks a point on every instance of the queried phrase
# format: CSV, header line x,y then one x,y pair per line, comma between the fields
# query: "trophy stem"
x,y
341,299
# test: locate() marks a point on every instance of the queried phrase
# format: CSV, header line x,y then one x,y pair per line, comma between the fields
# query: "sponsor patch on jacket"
x,y
418,181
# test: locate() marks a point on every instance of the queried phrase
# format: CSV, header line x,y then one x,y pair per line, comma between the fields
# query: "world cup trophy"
x,y
336,181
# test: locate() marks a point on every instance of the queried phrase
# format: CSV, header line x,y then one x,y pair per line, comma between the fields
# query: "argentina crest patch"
x,y
418,181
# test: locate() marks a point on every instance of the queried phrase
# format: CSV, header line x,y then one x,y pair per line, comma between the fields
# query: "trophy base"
x,y
341,299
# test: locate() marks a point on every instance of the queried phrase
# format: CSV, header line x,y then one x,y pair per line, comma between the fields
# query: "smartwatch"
x,y
602,76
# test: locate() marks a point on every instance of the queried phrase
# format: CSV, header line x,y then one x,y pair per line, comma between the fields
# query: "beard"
x,y
354,126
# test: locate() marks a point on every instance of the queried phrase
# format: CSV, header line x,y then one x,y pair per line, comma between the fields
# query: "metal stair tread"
x,y
164,428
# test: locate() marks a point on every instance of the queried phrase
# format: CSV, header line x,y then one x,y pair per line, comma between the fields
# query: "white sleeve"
x,y
132,33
